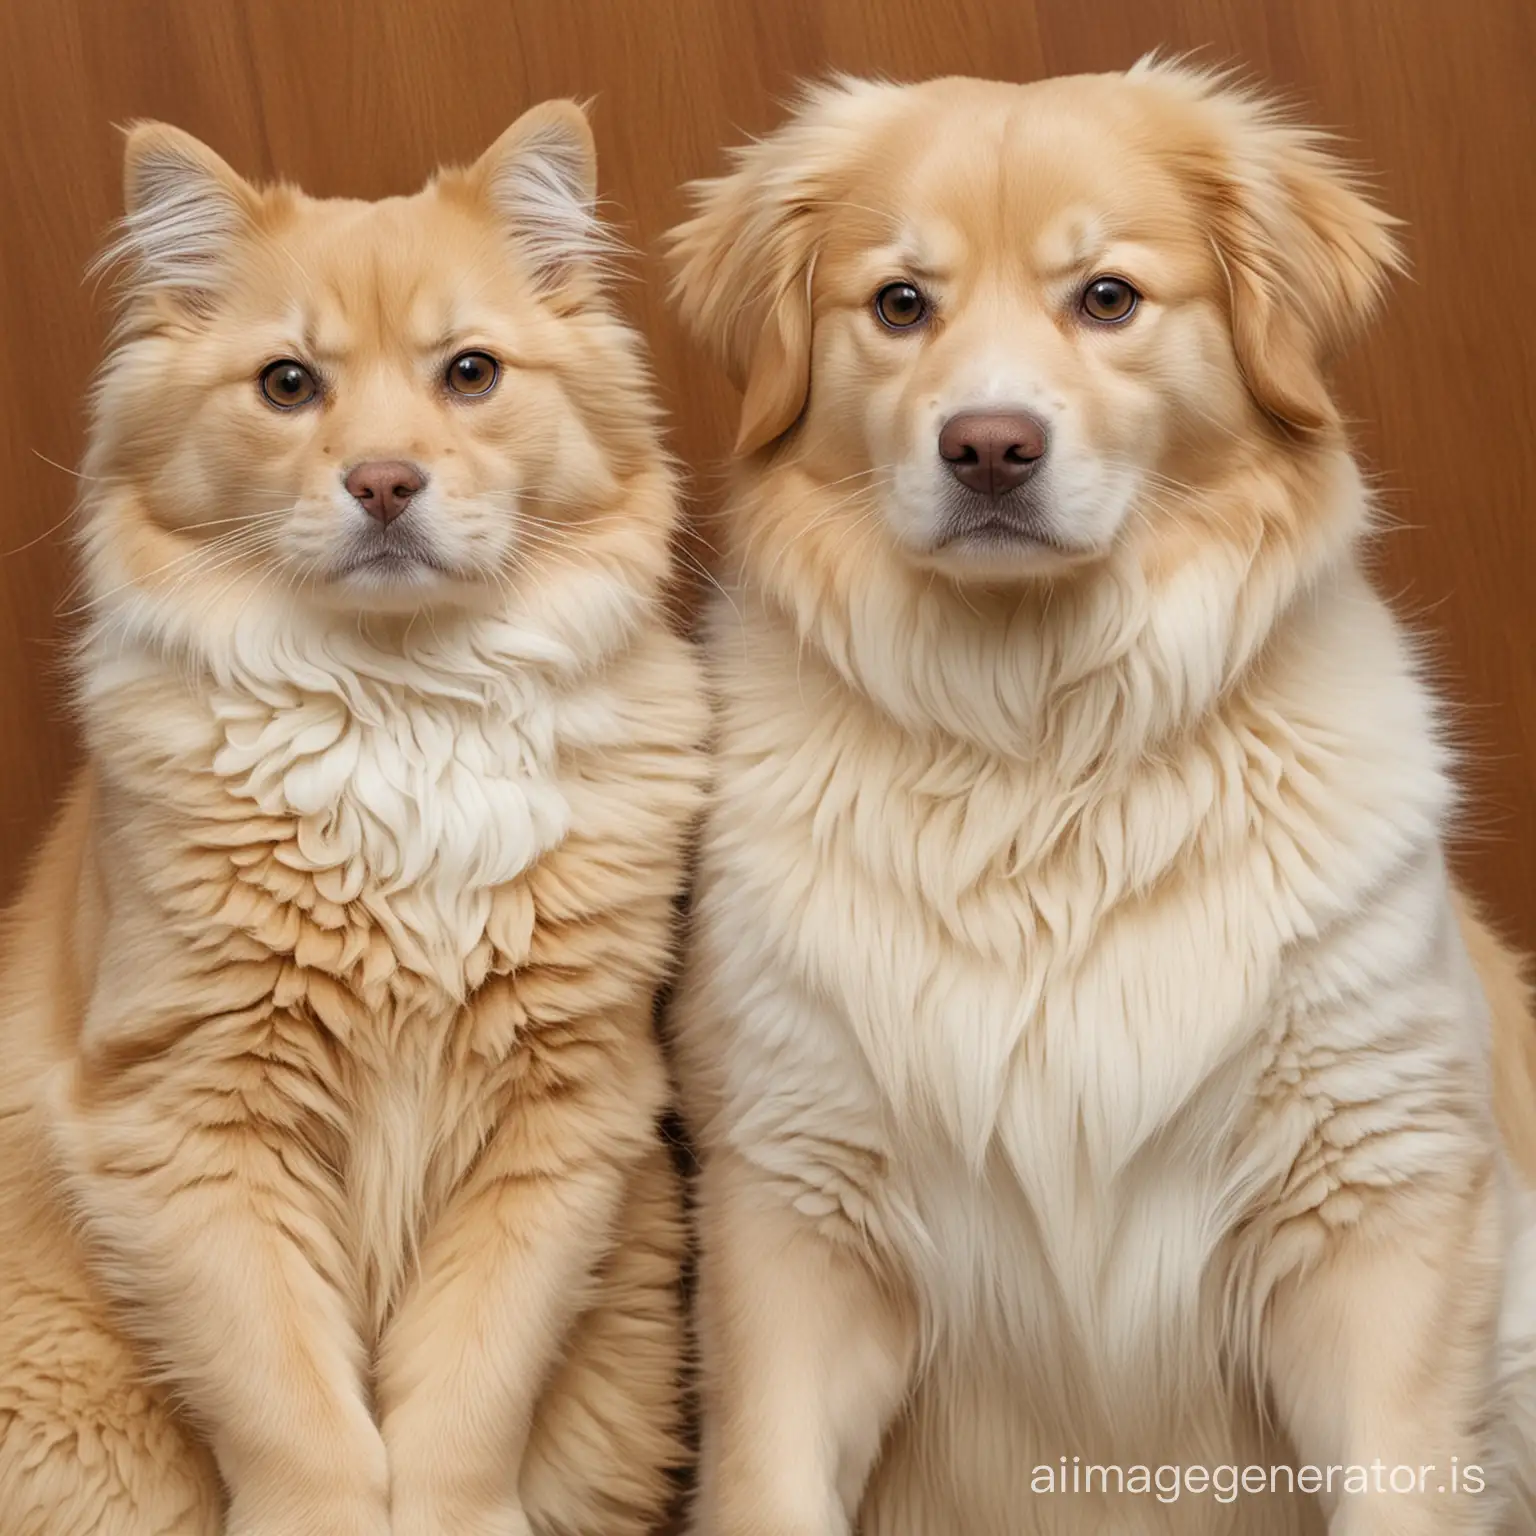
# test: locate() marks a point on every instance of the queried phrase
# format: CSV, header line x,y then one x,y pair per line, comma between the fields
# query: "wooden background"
x,y
363,97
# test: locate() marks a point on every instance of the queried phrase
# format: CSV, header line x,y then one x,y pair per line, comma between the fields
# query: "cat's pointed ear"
x,y
186,213
540,180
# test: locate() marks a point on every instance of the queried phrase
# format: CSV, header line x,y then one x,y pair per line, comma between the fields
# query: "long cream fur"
x,y
1079,1026
332,1195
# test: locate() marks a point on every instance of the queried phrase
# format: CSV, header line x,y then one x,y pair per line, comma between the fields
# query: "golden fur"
x,y
1085,1056
332,1197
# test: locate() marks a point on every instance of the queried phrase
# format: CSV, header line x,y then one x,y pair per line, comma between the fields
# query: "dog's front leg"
x,y
806,1355
1381,1361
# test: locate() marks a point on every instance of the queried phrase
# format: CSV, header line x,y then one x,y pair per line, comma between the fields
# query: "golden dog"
x,y
1093,1081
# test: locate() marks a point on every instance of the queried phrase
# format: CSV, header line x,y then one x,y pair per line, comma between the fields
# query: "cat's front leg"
x,y
501,1279
213,1223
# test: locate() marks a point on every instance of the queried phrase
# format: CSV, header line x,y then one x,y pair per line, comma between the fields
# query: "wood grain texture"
x,y
365,100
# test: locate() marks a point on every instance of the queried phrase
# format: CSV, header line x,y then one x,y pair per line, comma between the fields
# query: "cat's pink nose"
x,y
383,487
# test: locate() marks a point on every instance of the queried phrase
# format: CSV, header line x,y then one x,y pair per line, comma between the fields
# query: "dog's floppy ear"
x,y
743,268
1306,255
745,262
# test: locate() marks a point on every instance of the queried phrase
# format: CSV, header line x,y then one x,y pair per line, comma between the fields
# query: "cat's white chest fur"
x,y
416,783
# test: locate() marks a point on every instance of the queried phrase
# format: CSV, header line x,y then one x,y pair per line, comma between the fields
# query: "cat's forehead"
x,y
407,272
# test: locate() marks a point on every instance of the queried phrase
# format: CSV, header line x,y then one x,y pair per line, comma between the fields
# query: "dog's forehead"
x,y
1026,171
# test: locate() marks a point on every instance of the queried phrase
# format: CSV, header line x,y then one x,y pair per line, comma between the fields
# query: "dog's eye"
x,y
287,384
1109,300
473,373
900,306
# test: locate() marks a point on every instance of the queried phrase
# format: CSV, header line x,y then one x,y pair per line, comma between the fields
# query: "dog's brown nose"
x,y
992,451
384,487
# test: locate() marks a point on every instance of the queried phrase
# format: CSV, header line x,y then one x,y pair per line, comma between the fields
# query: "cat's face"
x,y
365,406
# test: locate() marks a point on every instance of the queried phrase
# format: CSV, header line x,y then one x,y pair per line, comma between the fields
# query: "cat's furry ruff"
x,y
331,1184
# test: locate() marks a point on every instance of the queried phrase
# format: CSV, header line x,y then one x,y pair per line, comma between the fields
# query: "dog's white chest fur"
x,y
1050,1048
1048,1059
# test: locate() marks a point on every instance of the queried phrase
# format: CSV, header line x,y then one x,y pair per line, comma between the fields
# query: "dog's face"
x,y
1012,325
372,406
1024,320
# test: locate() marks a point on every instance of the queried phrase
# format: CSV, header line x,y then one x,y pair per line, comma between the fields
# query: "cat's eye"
x,y
473,373
900,306
287,384
1110,300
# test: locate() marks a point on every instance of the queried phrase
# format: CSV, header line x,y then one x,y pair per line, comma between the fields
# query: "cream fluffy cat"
x,y
332,1200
